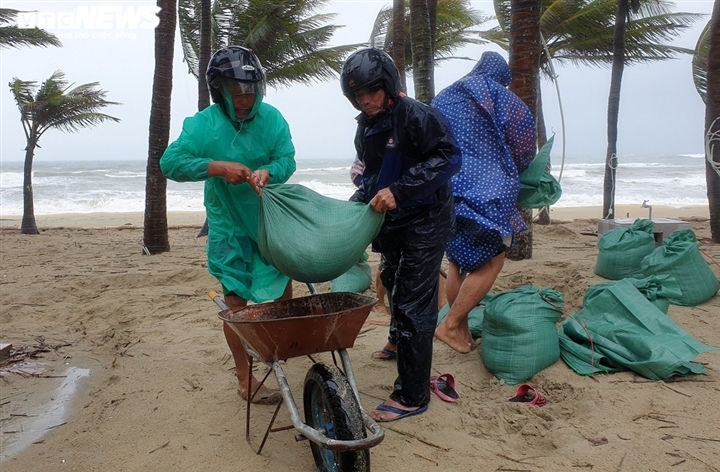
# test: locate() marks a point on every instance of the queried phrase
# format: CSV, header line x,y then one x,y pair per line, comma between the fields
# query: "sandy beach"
x,y
130,372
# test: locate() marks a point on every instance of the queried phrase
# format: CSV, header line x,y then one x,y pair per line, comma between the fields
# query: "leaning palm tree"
x,y
155,230
12,36
288,36
53,105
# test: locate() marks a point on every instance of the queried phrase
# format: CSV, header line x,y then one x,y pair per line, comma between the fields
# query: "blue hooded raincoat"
x,y
496,134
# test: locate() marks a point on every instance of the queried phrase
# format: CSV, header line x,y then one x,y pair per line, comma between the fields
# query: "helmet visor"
x,y
231,87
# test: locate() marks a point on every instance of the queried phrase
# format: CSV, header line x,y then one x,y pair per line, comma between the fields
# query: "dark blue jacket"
x,y
410,150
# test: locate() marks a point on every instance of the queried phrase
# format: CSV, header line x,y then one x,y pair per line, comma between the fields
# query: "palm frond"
x,y
12,36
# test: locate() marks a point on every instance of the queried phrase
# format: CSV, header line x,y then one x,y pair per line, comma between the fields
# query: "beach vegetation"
x,y
13,36
155,228
54,104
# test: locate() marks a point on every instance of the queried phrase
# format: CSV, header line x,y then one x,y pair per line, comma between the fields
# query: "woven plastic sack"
x,y
357,279
312,238
621,250
656,289
538,188
475,317
520,337
680,260
618,328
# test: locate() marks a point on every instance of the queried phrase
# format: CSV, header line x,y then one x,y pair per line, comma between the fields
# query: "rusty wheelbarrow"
x,y
335,422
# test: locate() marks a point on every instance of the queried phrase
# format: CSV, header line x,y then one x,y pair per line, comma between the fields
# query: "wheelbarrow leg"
x,y
250,396
313,290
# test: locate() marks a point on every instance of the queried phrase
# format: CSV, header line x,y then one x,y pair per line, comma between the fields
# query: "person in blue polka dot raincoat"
x,y
496,134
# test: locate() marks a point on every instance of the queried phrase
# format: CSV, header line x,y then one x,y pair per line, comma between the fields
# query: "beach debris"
x,y
18,359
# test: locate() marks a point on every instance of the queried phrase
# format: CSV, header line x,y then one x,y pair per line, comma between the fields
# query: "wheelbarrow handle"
x,y
218,300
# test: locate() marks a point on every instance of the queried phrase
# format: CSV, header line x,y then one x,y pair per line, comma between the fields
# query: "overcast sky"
x,y
660,111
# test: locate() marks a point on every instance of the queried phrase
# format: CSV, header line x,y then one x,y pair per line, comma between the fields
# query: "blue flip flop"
x,y
387,354
399,412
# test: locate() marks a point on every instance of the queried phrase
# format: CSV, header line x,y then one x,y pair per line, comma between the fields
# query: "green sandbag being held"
x,y
621,250
357,279
679,258
312,238
538,188
519,334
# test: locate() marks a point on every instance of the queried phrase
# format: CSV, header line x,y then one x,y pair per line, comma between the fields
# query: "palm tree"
x,y
13,36
712,123
454,29
155,232
290,39
53,105
582,33
525,65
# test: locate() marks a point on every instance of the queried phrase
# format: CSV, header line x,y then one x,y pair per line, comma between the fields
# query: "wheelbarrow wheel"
x,y
331,407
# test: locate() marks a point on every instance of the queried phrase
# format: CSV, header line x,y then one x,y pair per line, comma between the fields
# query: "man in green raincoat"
x,y
240,139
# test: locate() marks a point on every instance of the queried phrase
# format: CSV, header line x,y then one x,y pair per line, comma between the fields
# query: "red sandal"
x,y
528,395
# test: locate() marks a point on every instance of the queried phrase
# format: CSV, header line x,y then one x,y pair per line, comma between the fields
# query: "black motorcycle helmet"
x,y
235,63
369,67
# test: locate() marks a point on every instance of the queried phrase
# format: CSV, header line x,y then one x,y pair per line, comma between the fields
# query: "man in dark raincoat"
x,y
408,156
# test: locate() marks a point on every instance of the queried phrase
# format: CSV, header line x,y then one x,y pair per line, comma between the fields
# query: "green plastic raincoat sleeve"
x,y
282,156
182,160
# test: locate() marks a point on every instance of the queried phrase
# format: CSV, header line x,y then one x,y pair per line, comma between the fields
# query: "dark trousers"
x,y
411,280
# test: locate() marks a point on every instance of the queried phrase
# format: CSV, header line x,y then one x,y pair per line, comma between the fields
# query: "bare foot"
x,y
456,339
391,410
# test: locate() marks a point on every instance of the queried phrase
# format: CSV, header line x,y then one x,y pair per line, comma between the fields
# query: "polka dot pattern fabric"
x,y
496,134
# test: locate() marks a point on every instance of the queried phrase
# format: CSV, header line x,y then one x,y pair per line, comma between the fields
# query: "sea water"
x,y
119,186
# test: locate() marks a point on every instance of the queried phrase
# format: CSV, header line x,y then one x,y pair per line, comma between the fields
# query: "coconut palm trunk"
x,y
525,65
618,67
398,40
28,225
420,41
712,123
155,235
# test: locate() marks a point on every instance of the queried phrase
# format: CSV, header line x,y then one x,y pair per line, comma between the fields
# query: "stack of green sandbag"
x,y
312,238
621,250
680,262
619,329
520,337
657,289
357,279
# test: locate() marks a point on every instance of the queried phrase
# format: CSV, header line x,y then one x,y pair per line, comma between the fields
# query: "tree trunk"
x,y
155,235
712,123
398,40
421,50
203,60
28,225
525,65
432,20
614,110
205,53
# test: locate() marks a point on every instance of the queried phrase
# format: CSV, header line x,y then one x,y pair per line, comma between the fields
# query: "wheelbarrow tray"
x,y
300,326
